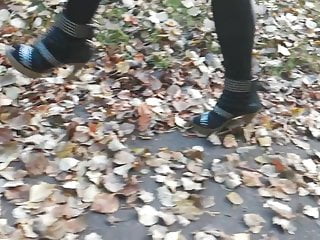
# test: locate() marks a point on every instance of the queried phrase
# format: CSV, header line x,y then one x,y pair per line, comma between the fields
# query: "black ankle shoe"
x,y
64,44
236,107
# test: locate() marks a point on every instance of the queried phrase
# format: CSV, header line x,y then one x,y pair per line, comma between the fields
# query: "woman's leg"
x,y
81,11
235,28
65,42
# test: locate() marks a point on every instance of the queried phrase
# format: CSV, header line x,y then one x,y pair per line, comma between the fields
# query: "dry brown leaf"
x,y
6,135
113,183
282,209
147,215
254,222
311,211
230,141
188,209
76,225
241,236
285,224
40,192
251,179
105,203
124,157
235,198
36,163
145,117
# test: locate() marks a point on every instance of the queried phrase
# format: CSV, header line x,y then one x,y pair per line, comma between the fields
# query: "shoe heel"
x,y
76,68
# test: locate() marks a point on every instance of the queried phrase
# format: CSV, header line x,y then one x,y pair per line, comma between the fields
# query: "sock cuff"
x,y
73,29
238,86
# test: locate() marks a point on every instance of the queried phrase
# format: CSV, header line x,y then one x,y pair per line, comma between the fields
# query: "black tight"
x,y
235,28
81,11
234,23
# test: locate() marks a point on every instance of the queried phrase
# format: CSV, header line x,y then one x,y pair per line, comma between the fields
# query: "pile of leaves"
x,y
157,64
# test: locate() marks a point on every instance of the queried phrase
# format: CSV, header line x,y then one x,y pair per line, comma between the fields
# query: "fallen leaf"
x,y
40,192
251,179
65,164
311,211
174,236
301,144
167,217
147,215
285,224
113,183
158,232
6,135
254,222
215,140
115,145
165,196
93,236
145,117
282,209
229,141
235,198
76,225
204,236
123,157
146,197
241,236
190,185
105,203
187,209
36,163
265,141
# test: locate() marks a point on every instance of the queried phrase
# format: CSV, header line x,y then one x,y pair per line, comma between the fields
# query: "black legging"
x,y
234,25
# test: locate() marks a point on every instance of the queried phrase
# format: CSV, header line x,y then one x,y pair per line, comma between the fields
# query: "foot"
x,y
65,43
243,104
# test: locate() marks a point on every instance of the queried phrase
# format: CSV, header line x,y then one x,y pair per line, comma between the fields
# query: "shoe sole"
x,y
32,74
228,126
18,66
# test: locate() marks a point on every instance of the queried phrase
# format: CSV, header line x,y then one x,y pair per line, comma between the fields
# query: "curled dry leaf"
x,y
40,192
188,209
190,185
235,198
251,179
165,196
65,164
285,224
115,145
146,197
311,211
230,141
241,236
93,236
167,217
158,232
6,135
124,157
36,163
76,225
265,141
254,222
147,215
105,203
280,208
214,139
204,236
301,144
113,183
145,117
174,236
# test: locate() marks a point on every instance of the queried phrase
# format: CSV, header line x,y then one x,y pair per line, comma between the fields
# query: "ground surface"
x,y
73,162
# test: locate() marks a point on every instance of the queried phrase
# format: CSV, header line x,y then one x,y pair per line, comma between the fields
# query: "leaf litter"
x,y
75,132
